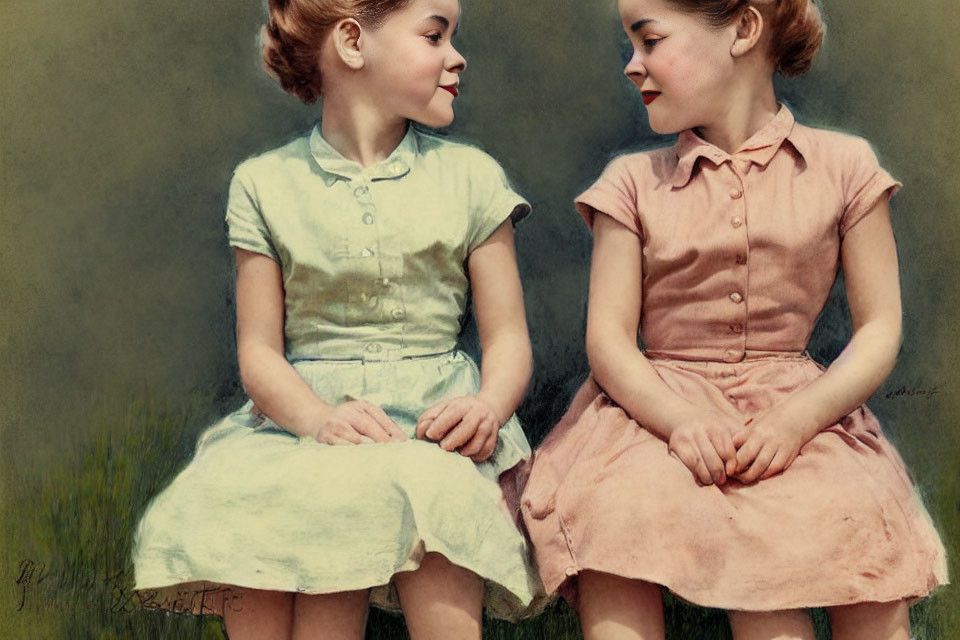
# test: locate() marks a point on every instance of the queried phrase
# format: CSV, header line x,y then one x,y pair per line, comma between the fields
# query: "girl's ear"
x,y
749,29
346,40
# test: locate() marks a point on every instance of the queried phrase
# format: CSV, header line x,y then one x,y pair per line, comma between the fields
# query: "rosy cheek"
x,y
670,71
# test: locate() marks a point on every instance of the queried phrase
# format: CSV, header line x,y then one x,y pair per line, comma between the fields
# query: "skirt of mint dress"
x,y
373,261
258,507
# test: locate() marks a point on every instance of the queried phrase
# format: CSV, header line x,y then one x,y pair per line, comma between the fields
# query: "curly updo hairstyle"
x,y
292,37
797,28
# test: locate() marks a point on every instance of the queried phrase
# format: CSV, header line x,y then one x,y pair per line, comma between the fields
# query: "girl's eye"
x,y
649,43
434,38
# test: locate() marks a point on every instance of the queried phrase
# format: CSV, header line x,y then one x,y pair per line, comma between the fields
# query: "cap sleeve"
x,y
492,200
865,183
246,227
614,194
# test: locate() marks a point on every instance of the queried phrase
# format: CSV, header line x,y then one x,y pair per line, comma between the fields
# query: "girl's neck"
x,y
749,110
357,130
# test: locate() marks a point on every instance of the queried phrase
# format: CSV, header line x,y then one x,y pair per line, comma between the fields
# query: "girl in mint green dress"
x,y
374,463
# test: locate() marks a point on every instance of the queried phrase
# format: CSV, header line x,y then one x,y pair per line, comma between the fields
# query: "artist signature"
x,y
37,584
904,392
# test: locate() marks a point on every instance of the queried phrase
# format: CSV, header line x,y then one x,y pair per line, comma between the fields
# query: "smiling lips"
x,y
452,88
649,96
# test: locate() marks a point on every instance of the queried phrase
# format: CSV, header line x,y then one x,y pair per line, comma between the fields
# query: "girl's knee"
x,y
870,621
612,606
257,613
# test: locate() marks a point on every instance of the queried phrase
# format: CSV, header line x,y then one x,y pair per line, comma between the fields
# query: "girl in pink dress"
x,y
719,460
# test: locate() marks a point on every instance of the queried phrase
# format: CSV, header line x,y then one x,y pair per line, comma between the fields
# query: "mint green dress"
x,y
373,262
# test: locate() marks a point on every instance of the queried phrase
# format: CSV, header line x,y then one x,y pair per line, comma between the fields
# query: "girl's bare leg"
x,y
794,624
616,608
330,616
259,614
870,621
441,600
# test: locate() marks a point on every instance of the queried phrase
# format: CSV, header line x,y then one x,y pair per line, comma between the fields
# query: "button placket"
x,y
365,301
366,238
361,193
736,327
389,284
395,306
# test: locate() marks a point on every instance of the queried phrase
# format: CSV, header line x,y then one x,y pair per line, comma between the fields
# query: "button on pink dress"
x,y
739,255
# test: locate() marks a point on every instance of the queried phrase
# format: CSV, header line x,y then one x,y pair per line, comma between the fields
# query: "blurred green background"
x,y
119,128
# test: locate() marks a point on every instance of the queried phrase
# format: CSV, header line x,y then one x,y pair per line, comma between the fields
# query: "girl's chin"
x,y
437,121
661,122
664,128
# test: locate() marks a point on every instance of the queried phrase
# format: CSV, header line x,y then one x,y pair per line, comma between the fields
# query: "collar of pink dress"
x,y
759,149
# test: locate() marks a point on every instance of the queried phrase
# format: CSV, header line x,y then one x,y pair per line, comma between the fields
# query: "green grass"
x,y
85,517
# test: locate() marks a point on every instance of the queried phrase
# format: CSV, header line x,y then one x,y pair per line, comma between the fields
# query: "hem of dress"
x,y
911,595
519,606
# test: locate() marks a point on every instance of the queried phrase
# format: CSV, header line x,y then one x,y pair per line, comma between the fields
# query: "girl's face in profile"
x,y
414,66
681,65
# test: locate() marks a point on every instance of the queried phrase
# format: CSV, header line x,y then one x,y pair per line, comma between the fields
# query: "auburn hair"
x,y
291,39
796,27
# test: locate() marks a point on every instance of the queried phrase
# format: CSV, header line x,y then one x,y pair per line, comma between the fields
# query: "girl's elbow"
x,y
598,352
598,341
247,376
883,338
250,358
889,335
525,359
520,354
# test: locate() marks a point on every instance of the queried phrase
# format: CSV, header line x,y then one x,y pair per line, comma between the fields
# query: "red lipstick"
x,y
452,88
649,96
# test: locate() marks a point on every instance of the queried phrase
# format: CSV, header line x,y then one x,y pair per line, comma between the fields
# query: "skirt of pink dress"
x,y
843,524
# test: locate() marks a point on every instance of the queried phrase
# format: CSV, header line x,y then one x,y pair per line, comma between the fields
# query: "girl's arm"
x,y
470,424
501,322
271,382
871,276
699,438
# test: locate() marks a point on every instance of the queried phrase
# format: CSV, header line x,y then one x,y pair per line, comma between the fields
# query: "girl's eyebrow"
x,y
639,24
444,21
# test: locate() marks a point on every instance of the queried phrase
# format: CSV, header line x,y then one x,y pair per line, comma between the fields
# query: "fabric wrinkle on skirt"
x,y
842,525
258,507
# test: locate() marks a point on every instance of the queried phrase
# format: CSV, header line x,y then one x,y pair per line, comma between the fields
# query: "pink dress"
x,y
739,256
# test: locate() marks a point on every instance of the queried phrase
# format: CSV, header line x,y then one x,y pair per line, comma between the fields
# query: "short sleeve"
x,y
246,227
492,200
614,194
865,182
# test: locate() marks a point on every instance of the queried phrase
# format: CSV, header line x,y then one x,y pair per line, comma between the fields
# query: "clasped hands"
x,y
715,447
466,424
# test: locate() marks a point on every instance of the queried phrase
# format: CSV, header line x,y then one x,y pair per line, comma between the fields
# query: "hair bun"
x,y
284,58
797,35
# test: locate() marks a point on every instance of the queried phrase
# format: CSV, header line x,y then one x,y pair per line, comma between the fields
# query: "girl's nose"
x,y
456,62
635,69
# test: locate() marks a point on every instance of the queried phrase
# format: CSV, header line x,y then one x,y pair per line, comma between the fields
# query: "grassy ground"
x,y
78,582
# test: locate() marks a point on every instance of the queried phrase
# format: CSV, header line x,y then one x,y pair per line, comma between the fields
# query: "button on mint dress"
x,y
373,262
